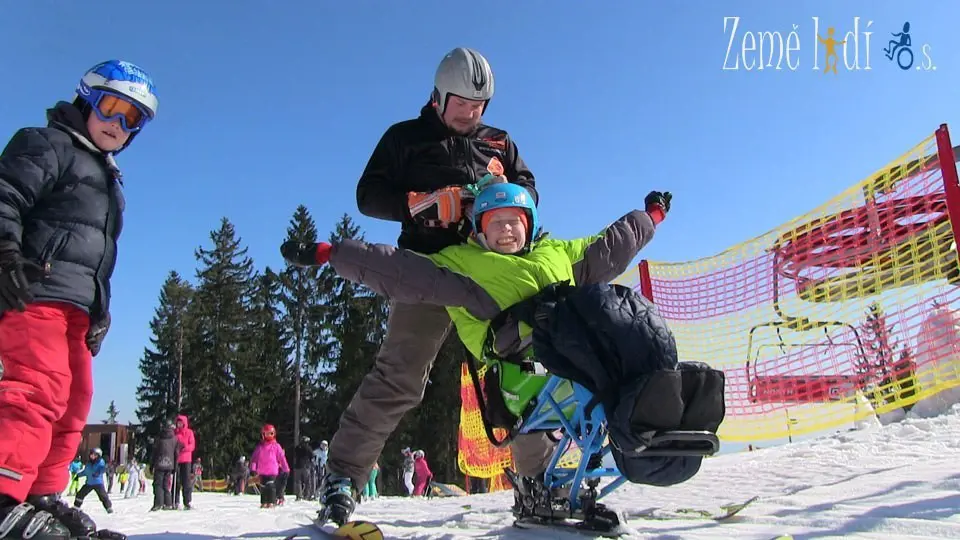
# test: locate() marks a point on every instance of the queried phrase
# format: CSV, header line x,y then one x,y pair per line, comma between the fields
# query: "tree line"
x,y
237,347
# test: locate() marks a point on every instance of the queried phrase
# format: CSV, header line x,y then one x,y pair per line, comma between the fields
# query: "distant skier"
x,y
61,208
163,462
408,470
94,471
370,489
133,480
198,474
320,457
422,473
75,466
183,476
269,462
239,475
303,470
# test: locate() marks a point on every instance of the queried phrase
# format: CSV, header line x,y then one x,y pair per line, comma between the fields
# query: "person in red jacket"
x,y
184,473
422,473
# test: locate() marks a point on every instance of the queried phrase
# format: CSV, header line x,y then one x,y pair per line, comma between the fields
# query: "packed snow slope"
x,y
898,481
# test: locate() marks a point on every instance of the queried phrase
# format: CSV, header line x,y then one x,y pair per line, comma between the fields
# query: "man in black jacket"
x,y
303,469
415,177
61,205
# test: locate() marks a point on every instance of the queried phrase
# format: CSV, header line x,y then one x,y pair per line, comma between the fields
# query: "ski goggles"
x,y
110,106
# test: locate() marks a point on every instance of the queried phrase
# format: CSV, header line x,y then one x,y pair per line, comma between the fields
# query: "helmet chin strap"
x,y
482,240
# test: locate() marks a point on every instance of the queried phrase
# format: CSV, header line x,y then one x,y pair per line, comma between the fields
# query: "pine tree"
x,y
885,365
268,377
215,398
112,413
160,366
301,297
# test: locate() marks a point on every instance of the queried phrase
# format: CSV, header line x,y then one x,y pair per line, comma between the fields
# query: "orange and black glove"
x,y
303,254
440,208
658,204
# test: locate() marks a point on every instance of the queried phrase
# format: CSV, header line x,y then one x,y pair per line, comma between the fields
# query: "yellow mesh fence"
x,y
848,311
844,312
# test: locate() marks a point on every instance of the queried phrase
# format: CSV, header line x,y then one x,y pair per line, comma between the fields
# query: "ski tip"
x,y
359,530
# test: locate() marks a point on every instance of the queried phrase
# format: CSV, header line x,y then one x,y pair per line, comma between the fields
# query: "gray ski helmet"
x,y
465,73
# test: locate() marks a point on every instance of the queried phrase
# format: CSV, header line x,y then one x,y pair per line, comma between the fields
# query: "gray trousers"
x,y
415,333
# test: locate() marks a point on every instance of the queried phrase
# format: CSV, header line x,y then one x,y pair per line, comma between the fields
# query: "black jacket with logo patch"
x,y
423,155
61,201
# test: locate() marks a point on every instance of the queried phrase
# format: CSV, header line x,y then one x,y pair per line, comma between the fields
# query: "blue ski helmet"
x,y
122,78
505,196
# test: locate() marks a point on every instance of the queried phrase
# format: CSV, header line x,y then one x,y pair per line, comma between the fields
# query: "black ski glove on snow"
x,y
16,273
96,334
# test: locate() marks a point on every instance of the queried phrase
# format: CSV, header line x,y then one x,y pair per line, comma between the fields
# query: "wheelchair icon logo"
x,y
899,49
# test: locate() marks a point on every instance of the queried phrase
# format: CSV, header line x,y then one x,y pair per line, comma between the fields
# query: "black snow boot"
x,y
23,520
79,523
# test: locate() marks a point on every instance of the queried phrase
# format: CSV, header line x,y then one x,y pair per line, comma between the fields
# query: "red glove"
x,y
300,254
658,204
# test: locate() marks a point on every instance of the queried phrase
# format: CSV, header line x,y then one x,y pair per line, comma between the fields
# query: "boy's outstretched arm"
x,y
398,274
609,255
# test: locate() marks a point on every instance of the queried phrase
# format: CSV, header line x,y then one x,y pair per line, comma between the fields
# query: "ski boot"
x,y
23,520
338,499
79,523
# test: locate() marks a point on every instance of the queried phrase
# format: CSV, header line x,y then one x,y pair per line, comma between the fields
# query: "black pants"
x,y
268,489
239,484
162,493
280,486
183,483
303,483
101,494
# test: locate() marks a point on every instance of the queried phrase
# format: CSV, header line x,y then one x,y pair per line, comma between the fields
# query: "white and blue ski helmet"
x,y
122,78
465,73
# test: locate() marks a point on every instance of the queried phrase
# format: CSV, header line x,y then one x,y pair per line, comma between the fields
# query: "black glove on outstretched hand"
x,y
657,205
15,276
303,254
97,333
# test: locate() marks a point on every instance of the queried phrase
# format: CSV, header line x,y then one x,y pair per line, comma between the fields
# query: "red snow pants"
x,y
45,394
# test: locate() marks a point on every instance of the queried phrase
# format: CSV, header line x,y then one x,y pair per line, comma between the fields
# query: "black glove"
x,y
303,255
96,334
657,205
16,273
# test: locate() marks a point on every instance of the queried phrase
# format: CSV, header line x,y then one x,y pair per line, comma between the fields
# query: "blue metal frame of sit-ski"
x,y
587,432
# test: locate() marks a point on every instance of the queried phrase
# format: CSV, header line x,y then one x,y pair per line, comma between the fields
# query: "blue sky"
x,y
263,108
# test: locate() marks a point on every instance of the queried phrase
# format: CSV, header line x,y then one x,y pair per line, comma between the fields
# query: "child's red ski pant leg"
x,y
420,488
53,475
34,391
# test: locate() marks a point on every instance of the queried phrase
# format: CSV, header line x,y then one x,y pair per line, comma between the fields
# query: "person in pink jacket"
x,y
422,474
269,462
183,476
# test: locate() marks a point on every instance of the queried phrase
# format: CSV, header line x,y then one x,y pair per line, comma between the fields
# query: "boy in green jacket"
x,y
506,260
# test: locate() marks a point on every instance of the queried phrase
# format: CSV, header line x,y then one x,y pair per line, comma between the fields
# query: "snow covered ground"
x,y
897,481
